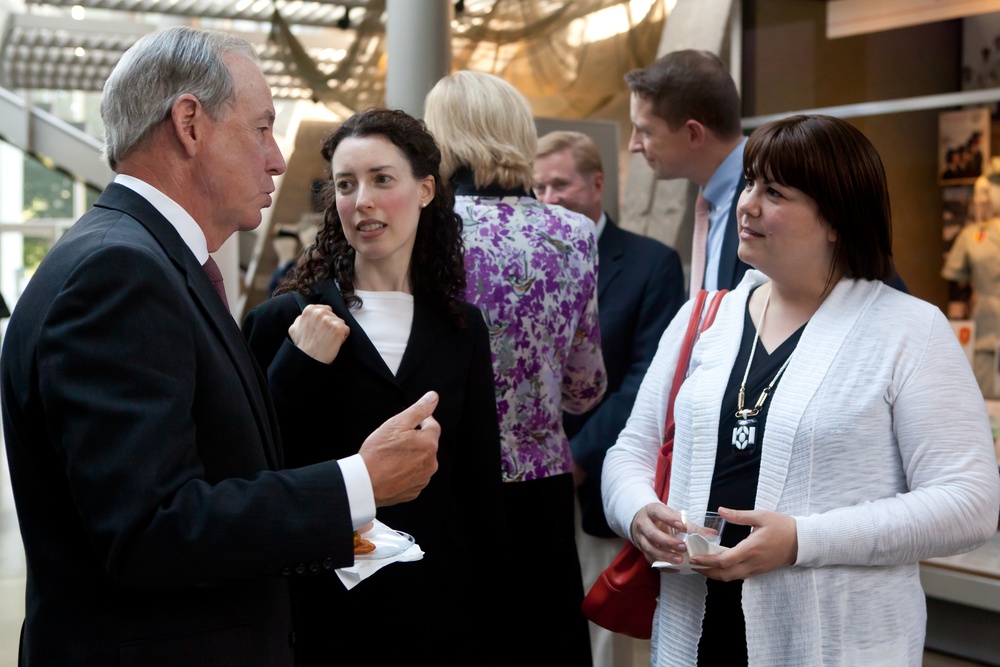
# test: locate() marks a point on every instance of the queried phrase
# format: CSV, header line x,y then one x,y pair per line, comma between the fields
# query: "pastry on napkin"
x,y
391,546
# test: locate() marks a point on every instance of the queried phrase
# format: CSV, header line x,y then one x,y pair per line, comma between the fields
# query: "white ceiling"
x,y
47,48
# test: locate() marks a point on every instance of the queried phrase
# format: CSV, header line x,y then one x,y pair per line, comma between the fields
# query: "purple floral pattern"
x,y
532,271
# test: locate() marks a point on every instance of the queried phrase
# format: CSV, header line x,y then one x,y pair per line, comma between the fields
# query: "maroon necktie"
x,y
215,275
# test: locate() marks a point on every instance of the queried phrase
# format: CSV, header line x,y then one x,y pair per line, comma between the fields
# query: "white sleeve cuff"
x,y
359,490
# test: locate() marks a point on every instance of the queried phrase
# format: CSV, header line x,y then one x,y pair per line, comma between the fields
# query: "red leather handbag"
x,y
623,598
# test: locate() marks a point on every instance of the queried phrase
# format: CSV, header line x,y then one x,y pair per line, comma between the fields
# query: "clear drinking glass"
x,y
707,524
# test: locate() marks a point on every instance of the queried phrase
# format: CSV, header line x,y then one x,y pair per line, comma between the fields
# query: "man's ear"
x,y
186,116
696,133
598,177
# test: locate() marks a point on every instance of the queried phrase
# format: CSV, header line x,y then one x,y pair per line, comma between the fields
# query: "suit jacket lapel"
x,y
121,198
609,252
426,332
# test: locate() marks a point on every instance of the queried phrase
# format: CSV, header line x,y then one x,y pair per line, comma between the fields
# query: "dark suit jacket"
x,y
731,267
143,454
640,286
456,518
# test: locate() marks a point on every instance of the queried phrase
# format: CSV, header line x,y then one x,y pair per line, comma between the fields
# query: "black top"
x,y
734,485
463,182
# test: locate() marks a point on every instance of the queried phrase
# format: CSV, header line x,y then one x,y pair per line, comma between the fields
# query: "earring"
x,y
423,204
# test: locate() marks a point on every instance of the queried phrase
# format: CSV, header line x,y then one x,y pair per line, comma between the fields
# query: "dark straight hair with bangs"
x,y
838,167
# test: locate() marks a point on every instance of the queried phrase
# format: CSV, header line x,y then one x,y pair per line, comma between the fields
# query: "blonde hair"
x,y
586,156
482,122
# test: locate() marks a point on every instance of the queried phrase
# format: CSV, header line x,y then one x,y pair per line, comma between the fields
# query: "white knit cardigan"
x,y
877,442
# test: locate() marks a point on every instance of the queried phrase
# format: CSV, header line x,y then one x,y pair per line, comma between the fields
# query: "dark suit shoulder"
x,y
650,245
646,250
634,242
280,306
284,308
103,229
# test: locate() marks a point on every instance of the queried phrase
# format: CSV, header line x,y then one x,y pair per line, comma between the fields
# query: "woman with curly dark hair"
x,y
437,250
371,318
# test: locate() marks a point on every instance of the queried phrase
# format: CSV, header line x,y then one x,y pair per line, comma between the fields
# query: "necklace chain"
x,y
745,413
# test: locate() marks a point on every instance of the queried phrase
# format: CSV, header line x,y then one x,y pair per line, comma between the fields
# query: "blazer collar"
x,y
118,197
425,330
358,345
610,251
463,182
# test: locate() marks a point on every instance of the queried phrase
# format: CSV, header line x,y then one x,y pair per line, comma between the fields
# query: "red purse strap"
x,y
691,335
713,308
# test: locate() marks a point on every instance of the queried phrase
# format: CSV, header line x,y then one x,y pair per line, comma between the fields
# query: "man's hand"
x,y
319,333
401,455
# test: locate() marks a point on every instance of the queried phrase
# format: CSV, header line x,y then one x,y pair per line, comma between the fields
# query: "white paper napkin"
x,y
362,569
697,545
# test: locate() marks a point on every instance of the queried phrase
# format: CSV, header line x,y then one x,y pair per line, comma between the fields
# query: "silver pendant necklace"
x,y
745,431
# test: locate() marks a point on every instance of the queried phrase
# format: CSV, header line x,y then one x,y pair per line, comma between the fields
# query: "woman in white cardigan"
x,y
870,452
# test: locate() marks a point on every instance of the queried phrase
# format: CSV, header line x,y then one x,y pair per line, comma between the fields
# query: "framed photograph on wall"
x,y
963,145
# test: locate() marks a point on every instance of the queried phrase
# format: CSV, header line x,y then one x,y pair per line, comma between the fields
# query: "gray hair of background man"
x,y
586,155
155,71
690,85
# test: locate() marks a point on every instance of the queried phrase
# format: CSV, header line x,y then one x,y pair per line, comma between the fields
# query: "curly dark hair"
x,y
437,268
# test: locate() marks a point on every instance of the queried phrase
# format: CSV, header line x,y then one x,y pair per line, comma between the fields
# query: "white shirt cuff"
x,y
359,490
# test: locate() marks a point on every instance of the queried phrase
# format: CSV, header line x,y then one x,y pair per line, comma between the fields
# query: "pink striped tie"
x,y
699,243
215,275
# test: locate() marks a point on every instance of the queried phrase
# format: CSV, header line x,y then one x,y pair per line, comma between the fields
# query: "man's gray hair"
x,y
155,71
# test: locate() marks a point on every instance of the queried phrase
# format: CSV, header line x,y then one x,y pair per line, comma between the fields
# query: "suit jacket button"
x,y
328,564
300,568
291,639
314,567
285,571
